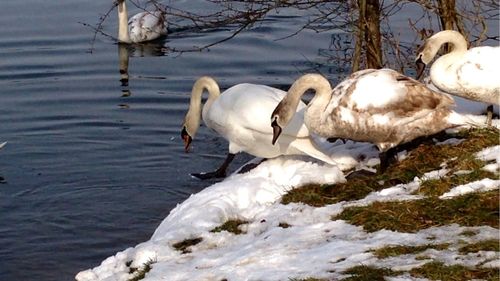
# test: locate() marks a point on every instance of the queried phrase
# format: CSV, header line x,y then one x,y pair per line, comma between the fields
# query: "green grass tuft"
x,y
437,187
393,251
439,271
487,245
468,233
184,245
284,225
474,209
140,273
367,273
307,279
232,226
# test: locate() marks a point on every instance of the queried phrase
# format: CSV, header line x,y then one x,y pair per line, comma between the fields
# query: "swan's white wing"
x,y
385,90
147,26
252,105
242,115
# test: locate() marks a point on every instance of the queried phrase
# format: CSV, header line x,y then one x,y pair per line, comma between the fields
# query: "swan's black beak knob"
x,y
420,68
276,131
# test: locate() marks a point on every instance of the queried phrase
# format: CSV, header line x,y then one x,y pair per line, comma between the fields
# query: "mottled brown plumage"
x,y
381,106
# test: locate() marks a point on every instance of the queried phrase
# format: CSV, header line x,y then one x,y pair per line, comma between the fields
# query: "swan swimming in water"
x,y
240,115
381,106
468,73
142,27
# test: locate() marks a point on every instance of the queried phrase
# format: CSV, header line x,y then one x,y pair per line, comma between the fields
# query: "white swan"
x,y
471,74
144,26
381,106
240,114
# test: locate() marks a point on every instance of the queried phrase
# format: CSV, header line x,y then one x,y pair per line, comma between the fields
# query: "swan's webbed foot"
x,y
360,174
219,173
210,175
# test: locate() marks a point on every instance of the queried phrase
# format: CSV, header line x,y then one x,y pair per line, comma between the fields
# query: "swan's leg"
x,y
250,166
489,114
219,173
386,158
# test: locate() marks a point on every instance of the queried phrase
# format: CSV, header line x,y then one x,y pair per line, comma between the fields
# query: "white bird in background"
x,y
471,74
240,115
2,144
142,27
381,106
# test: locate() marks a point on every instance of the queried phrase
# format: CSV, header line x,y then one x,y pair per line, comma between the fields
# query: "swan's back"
x,y
147,26
470,74
478,71
251,105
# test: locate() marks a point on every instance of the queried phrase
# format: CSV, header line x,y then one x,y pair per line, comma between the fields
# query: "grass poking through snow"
x,y
425,158
232,226
140,273
386,252
473,209
184,245
439,271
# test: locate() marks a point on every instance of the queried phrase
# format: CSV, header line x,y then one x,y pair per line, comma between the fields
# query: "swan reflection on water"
x,y
125,51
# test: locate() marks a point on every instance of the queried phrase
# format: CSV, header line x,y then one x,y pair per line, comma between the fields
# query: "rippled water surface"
x,y
92,167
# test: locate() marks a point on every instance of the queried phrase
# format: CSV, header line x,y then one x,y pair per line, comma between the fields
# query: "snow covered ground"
x,y
311,244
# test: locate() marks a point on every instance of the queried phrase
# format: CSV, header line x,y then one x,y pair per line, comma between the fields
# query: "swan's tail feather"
x,y
458,119
308,147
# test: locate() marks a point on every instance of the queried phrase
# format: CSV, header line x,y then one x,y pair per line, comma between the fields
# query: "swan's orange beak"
x,y
420,68
186,138
276,131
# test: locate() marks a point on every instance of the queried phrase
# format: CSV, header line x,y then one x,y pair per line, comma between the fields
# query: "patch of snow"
x,y
477,186
451,141
433,175
491,154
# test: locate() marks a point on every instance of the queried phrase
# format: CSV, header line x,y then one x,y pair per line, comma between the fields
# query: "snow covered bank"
x,y
279,241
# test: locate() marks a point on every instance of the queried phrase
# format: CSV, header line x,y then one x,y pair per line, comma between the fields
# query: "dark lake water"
x,y
92,167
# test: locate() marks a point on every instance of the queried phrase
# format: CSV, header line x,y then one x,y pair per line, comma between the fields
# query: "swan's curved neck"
x,y
289,104
457,41
192,119
123,35
199,86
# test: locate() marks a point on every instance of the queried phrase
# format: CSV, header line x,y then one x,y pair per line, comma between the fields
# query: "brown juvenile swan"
x,y
381,106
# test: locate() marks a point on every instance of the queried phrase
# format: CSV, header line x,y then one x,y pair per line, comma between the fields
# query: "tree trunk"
x,y
356,58
368,38
372,35
447,14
